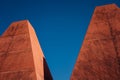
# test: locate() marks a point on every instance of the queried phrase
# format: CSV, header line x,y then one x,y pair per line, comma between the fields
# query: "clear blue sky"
x,y
60,26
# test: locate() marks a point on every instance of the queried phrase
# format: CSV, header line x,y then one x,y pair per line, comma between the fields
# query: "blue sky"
x,y
59,24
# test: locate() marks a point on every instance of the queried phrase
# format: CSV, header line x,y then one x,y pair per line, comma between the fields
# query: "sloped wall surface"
x,y
99,57
21,57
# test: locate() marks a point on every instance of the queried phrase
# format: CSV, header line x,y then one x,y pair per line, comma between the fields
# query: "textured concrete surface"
x,y
99,57
21,57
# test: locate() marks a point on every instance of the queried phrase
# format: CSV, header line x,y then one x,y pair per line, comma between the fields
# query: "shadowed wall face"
x,y
99,57
47,75
21,57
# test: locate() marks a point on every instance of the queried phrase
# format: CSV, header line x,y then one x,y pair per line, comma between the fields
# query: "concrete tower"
x,y
99,57
21,57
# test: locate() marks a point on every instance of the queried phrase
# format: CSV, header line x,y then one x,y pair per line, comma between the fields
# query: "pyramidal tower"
x,y
99,57
21,57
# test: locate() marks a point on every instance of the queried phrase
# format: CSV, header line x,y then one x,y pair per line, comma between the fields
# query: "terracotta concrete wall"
x,y
16,60
99,57
21,57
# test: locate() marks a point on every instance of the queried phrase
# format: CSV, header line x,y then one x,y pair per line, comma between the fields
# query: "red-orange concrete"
x,y
99,57
21,57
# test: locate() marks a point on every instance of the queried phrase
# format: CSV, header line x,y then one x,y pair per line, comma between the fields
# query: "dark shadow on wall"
x,y
47,74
